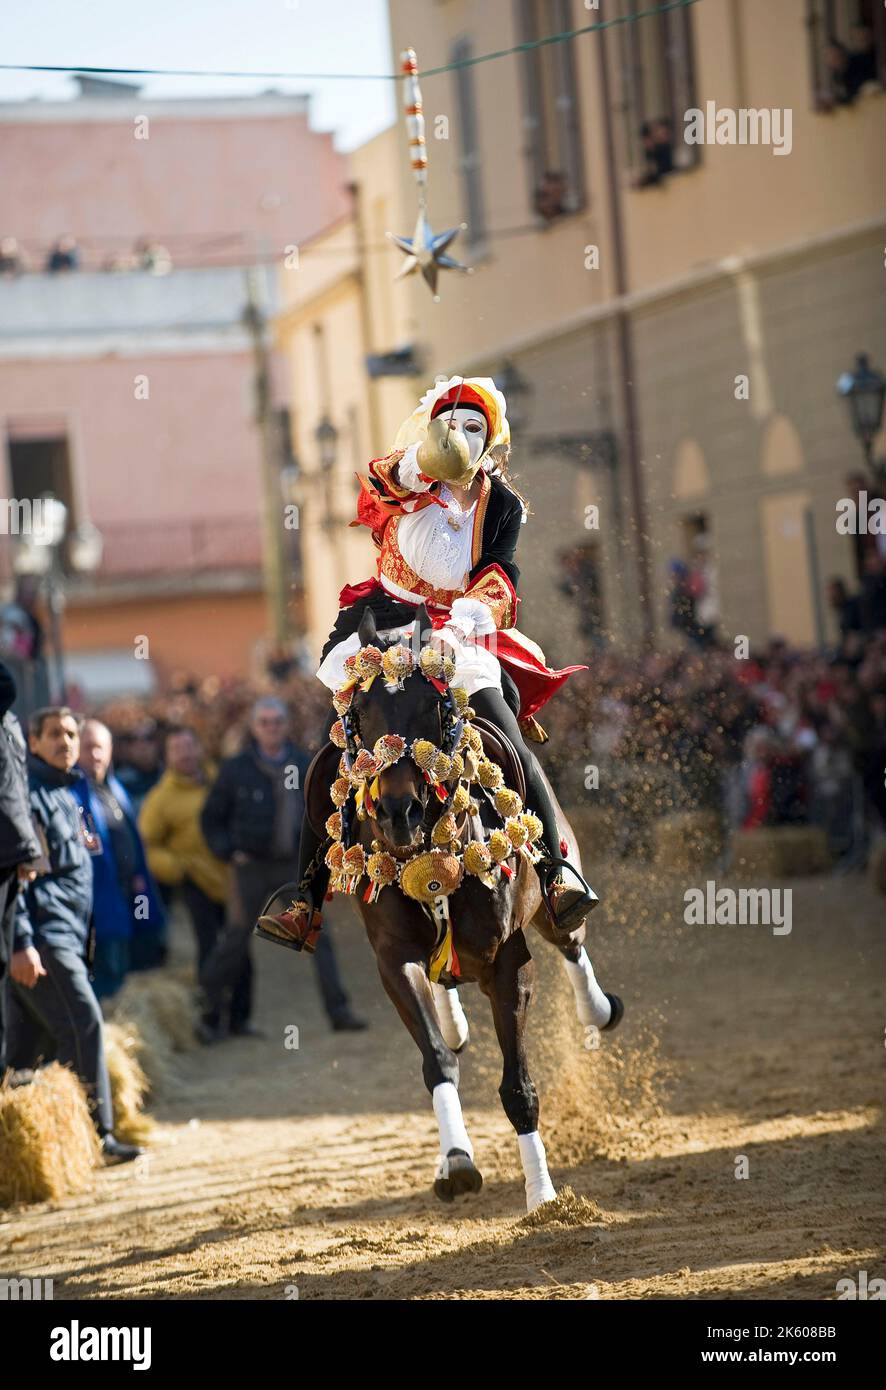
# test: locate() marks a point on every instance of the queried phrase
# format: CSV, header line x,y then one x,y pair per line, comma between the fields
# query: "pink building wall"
x,y
269,177
189,453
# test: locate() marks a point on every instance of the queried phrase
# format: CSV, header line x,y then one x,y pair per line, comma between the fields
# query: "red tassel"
x,y
442,793
455,968
367,896
564,848
507,870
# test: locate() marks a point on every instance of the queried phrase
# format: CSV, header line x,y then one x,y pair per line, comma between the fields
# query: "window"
x,y
847,44
469,144
39,466
551,117
658,88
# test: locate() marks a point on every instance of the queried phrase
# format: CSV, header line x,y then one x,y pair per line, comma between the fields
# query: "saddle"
x,y
324,770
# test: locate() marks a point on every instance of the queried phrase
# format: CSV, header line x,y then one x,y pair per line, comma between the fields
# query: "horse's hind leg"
x,y
594,1007
403,972
508,986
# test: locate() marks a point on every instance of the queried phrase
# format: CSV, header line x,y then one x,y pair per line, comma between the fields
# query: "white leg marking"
x,y
591,1004
453,1135
539,1187
451,1016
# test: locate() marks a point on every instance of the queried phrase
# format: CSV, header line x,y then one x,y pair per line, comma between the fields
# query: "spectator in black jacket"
x,y
54,1013
18,845
252,819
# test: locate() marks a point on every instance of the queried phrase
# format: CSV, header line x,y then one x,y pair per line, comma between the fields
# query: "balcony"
x,y
90,312
165,557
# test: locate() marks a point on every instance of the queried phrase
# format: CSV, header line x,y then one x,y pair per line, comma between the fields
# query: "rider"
x,y
452,548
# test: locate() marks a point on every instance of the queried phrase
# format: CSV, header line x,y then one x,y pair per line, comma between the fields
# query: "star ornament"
x,y
425,252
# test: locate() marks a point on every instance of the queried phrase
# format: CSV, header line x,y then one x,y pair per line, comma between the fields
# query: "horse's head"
x,y
415,711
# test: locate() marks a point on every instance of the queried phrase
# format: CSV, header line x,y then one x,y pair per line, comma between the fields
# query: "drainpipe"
x,y
624,336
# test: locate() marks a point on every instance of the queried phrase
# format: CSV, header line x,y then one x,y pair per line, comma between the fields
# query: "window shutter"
x,y
568,115
632,102
469,144
680,81
533,147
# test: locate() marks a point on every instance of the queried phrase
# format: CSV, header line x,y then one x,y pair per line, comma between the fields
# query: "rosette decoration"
x,y
435,665
396,664
445,832
340,791
353,867
334,856
460,775
388,750
367,664
478,861
430,876
381,869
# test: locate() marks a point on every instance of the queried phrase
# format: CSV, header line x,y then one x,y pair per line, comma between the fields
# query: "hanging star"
x,y
425,252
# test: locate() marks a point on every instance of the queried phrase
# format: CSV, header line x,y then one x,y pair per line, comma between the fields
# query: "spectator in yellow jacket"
x,y
179,858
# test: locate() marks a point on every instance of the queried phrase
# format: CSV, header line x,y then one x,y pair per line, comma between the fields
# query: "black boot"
x,y
568,897
114,1151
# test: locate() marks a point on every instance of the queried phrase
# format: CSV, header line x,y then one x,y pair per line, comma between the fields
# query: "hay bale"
x,y
878,866
159,1012
129,1085
780,851
49,1147
687,839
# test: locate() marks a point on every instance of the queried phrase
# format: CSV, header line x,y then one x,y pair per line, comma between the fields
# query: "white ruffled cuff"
x,y
409,472
471,615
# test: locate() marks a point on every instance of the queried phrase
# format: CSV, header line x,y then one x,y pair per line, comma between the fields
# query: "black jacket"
x,y
238,814
56,907
18,844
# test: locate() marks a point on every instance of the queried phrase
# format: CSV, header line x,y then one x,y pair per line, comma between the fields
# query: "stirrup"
x,y
567,908
288,919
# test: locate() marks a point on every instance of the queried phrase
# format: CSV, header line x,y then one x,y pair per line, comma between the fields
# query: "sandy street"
x,y
274,1170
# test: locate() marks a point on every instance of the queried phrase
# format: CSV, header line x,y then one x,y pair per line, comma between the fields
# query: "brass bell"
x,y
445,454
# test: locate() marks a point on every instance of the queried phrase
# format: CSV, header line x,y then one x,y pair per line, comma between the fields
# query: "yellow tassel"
x,y
442,957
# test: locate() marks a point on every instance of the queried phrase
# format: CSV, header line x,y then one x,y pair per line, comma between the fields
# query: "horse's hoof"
x,y
457,1176
537,1194
618,1012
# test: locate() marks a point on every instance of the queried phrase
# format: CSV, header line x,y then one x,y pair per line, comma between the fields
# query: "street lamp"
x,y
39,553
864,391
326,436
516,391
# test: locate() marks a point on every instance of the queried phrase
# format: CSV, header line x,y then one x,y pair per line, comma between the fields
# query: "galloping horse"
x,y
488,926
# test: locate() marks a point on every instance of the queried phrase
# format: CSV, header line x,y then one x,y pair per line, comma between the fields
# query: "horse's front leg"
x,y
403,967
508,986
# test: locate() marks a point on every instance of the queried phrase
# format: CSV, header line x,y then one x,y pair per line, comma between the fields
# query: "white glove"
x,y
469,615
409,472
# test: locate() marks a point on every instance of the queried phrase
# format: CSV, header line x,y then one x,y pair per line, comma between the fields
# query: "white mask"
x,y
472,424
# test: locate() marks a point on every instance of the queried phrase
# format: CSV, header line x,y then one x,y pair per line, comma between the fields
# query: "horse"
x,y
488,924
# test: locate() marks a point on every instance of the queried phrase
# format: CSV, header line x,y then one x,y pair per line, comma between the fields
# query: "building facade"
x,y
127,370
728,284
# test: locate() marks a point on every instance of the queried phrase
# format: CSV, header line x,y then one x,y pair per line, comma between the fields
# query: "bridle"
x,y
450,726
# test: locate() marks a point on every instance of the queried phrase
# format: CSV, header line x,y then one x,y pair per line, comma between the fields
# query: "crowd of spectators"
x,y
65,256
774,737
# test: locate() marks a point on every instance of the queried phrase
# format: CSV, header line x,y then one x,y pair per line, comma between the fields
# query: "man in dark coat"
x,y
18,844
54,1013
252,819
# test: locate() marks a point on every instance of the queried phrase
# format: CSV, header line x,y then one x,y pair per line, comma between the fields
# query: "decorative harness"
x,y
457,771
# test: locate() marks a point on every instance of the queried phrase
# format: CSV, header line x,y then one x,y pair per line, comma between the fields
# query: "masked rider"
x,y
447,538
